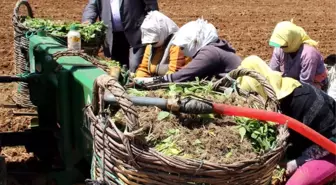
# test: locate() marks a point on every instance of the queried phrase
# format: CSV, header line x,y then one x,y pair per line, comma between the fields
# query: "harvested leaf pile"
x,y
61,28
210,137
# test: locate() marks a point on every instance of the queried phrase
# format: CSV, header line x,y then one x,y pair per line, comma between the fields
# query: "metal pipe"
x,y
139,101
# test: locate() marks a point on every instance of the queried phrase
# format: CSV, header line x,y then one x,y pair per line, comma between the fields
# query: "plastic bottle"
x,y
74,38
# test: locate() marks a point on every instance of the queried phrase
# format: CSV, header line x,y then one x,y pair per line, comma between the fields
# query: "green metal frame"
x,y
72,86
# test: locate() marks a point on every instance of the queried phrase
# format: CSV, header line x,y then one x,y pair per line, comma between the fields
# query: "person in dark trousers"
x,y
123,18
308,163
211,56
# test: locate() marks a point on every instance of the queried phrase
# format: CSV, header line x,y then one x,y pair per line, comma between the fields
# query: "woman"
x,y
160,57
309,164
211,56
296,56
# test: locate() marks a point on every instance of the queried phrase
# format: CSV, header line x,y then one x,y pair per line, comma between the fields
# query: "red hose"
x,y
280,119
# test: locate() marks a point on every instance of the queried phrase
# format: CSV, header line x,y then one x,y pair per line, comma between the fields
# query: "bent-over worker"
x,y
309,164
161,56
211,56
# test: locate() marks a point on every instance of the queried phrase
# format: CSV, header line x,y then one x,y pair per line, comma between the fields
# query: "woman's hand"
x,y
291,167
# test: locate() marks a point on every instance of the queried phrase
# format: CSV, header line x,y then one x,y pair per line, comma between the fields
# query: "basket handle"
x,y
107,83
234,74
19,4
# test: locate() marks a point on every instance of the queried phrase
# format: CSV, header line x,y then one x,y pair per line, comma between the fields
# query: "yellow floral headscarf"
x,y
290,37
283,86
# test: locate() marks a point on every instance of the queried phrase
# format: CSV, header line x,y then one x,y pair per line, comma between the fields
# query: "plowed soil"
x,y
246,24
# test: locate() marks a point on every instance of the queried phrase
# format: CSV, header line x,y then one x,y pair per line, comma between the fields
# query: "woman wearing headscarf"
x,y
211,56
161,56
308,163
296,56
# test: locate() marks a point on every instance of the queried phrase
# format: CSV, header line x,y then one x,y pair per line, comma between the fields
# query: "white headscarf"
x,y
156,28
194,35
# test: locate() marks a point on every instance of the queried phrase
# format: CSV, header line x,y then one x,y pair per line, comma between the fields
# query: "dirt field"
x,y
247,25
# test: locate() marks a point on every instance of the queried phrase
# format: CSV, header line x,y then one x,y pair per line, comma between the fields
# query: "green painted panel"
x,y
78,89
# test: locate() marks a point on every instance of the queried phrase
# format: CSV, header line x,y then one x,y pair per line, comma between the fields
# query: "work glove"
x,y
291,167
143,80
148,80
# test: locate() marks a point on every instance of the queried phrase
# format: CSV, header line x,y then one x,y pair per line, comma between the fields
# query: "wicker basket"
x,y
118,158
21,46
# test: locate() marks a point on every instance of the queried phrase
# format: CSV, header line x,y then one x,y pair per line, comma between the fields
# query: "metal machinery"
x,y
60,90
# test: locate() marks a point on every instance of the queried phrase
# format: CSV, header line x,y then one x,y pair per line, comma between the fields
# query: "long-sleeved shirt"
x,y
214,59
307,66
315,109
176,60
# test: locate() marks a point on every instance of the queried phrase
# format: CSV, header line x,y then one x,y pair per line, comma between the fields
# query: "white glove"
x,y
291,167
143,80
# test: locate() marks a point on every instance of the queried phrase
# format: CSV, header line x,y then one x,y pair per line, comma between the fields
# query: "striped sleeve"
x,y
176,59
204,63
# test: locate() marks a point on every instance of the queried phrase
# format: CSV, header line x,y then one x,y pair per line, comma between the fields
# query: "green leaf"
x,y
197,142
174,151
136,92
172,87
173,131
256,132
261,130
167,140
229,154
254,136
187,91
207,116
266,145
178,89
163,115
194,88
242,132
